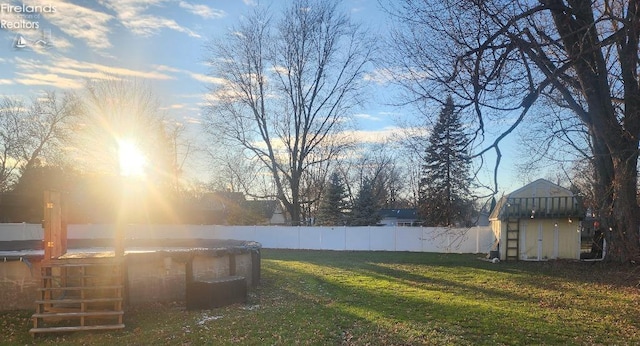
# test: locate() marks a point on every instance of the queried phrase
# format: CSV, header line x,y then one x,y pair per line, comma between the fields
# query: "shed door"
x,y
540,240
556,240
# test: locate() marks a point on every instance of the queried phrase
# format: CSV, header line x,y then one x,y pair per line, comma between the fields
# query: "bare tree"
x,y
34,133
313,183
183,148
288,89
502,57
232,171
377,165
11,137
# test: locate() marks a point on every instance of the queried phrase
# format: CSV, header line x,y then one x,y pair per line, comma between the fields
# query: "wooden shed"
x,y
537,222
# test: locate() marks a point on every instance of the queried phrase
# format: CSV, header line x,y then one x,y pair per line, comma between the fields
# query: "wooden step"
x,y
81,262
83,276
78,300
76,264
79,288
78,314
75,329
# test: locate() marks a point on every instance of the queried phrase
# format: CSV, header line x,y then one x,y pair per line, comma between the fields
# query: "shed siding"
x,y
499,233
541,239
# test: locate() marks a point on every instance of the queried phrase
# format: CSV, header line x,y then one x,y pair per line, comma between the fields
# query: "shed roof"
x,y
541,198
541,188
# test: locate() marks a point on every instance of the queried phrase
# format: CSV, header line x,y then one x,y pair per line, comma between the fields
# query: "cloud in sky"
x,y
156,74
383,76
88,25
203,78
65,72
193,120
132,15
366,116
384,135
207,79
173,106
47,79
379,76
203,11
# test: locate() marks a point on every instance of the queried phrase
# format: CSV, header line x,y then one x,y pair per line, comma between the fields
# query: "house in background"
x,y
482,219
232,208
217,208
409,217
537,222
398,217
265,212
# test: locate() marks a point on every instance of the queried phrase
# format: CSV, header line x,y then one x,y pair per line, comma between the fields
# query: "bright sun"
x,y
132,160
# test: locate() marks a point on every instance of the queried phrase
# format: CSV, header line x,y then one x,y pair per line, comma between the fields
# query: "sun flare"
x,y
132,160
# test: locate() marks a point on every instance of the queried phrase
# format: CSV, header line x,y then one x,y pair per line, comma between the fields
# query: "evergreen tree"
x,y
445,183
365,206
332,205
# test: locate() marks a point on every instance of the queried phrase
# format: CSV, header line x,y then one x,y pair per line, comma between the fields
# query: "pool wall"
x,y
152,274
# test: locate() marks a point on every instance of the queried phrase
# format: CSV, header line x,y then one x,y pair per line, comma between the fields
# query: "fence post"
x,y
395,238
345,240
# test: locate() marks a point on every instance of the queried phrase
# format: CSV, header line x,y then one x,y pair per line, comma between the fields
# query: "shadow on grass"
x,y
458,293
610,274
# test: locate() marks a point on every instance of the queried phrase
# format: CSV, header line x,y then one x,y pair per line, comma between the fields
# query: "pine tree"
x,y
332,205
445,183
365,206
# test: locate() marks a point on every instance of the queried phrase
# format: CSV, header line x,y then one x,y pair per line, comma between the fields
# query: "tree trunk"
x,y
615,142
615,173
295,214
602,173
295,198
622,239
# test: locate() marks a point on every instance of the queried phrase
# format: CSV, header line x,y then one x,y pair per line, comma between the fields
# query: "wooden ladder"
x,y
79,294
513,239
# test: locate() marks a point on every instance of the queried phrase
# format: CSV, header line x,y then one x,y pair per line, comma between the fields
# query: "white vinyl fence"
x,y
417,239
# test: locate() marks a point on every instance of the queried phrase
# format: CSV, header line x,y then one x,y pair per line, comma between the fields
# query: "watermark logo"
x,y
15,17
21,18
21,42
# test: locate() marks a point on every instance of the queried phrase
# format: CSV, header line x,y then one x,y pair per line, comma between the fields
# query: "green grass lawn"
x,y
392,298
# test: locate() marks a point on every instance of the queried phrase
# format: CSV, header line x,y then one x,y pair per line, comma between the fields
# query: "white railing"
x,y
416,239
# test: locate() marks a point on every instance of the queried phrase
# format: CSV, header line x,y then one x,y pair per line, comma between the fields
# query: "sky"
x,y
55,44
